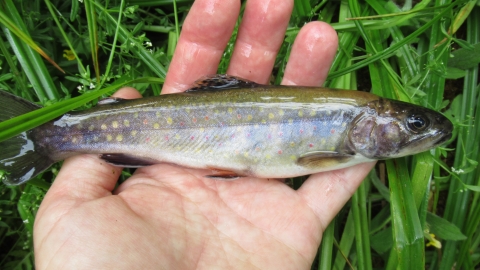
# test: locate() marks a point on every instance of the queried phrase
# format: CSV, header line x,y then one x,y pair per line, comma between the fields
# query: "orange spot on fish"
x,y
280,152
310,145
145,121
194,120
182,124
206,118
166,138
147,139
193,137
257,149
239,116
332,131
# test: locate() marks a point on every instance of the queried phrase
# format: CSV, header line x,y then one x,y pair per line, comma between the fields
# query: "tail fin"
x,y
18,158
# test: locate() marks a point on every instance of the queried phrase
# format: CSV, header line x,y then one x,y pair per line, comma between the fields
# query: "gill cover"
x,y
390,129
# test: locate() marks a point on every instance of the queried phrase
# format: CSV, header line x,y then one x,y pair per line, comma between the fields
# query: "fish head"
x,y
390,129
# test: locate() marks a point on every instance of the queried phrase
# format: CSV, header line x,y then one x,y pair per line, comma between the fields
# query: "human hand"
x,y
170,217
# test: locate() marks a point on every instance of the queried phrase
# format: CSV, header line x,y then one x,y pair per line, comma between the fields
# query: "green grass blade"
x,y
466,151
172,44
392,49
23,36
93,35
410,66
422,165
19,79
302,8
138,50
347,41
407,230
435,81
31,62
346,243
326,249
175,13
53,13
114,44
362,236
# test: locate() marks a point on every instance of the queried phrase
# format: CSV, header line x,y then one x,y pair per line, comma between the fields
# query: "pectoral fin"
x,y
323,159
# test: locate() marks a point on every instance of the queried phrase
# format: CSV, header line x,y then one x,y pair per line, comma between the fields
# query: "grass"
x,y
410,213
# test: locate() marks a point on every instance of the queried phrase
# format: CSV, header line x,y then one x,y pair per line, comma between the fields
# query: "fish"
x,y
230,126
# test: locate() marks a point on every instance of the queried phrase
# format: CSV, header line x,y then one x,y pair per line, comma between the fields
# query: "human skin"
x,y
169,217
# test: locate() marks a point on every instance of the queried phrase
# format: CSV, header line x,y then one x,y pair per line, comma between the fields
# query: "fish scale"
x,y
238,129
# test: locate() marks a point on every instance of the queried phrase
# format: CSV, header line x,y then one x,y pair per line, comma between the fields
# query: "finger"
x,y
312,55
259,38
204,36
326,193
127,93
86,177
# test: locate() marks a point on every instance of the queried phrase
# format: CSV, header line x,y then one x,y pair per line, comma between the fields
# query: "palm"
x,y
237,223
166,210
169,217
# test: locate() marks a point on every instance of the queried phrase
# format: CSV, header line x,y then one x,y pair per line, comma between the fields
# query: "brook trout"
x,y
232,126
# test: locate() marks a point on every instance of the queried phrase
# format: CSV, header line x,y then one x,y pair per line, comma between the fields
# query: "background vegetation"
x,y
411,213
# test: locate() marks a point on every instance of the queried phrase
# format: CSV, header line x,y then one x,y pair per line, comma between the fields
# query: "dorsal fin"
x,y
221,82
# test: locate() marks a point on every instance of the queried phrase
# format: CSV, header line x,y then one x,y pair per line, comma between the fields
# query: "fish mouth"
x,y
447,135
428,141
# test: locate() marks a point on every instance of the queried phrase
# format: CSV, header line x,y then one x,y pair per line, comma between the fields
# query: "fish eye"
x,y
417,123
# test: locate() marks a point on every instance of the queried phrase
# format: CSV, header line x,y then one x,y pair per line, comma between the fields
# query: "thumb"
x,y
327,192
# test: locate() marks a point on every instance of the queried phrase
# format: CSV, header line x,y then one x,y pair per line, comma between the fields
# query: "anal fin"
x,y
124,160
225,175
